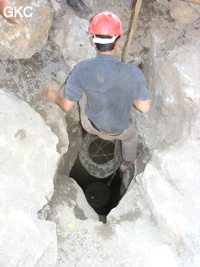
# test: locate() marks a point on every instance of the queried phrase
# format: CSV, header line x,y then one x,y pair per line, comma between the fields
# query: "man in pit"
x,y
106,89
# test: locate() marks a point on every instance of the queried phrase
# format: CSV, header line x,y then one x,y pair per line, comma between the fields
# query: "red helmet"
x,y
106,23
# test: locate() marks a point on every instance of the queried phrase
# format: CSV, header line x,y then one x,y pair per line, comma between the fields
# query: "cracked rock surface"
x,y
157,221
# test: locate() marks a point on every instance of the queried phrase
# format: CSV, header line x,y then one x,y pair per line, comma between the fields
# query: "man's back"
x,y
111,88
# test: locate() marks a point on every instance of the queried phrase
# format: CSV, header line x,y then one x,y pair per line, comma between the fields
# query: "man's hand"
x,y
6,4
142,106
52,95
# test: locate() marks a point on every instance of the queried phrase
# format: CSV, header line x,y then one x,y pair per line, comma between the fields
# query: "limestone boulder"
x,y
28,162
170,182
171,187
173,79
184,12
21,41
72,38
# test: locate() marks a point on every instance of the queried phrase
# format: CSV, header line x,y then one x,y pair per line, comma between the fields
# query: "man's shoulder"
x,y
126,67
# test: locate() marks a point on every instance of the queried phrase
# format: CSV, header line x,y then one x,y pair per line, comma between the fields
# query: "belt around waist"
x,y
94,126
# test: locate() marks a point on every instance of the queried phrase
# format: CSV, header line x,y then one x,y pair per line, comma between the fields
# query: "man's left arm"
x,y
142,100
142,106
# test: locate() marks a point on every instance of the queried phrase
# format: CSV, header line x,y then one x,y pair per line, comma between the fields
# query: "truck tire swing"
x,y
101,158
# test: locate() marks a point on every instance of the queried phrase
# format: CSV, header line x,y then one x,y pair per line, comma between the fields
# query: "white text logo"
x,y
10,12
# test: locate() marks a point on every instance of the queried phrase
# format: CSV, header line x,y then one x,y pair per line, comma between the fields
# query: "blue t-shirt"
x,y
111,88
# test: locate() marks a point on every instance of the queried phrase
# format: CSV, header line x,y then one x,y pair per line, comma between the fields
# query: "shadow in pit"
x,y
102,194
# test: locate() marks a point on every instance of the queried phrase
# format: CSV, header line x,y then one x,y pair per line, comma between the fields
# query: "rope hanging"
x,y
132,31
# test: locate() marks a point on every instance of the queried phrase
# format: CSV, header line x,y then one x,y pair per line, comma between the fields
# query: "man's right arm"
x,y
64,103
142,106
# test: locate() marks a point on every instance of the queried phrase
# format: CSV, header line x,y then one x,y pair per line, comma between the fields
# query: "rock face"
x,y
184,12
129,238
164,3
28,164
170,182
171,186
173,78
30,35
73,39
157,221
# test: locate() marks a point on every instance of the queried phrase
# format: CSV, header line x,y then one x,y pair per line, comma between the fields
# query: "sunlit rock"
x,y
73,39
28,164
184,12
30,35
170,182
173,79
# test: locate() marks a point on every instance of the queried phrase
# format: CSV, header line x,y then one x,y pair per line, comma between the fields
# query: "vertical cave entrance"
x,y
96,170
94,164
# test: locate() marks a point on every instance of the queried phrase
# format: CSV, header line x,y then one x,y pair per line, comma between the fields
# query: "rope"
x,y
115,155
133,28
100,148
